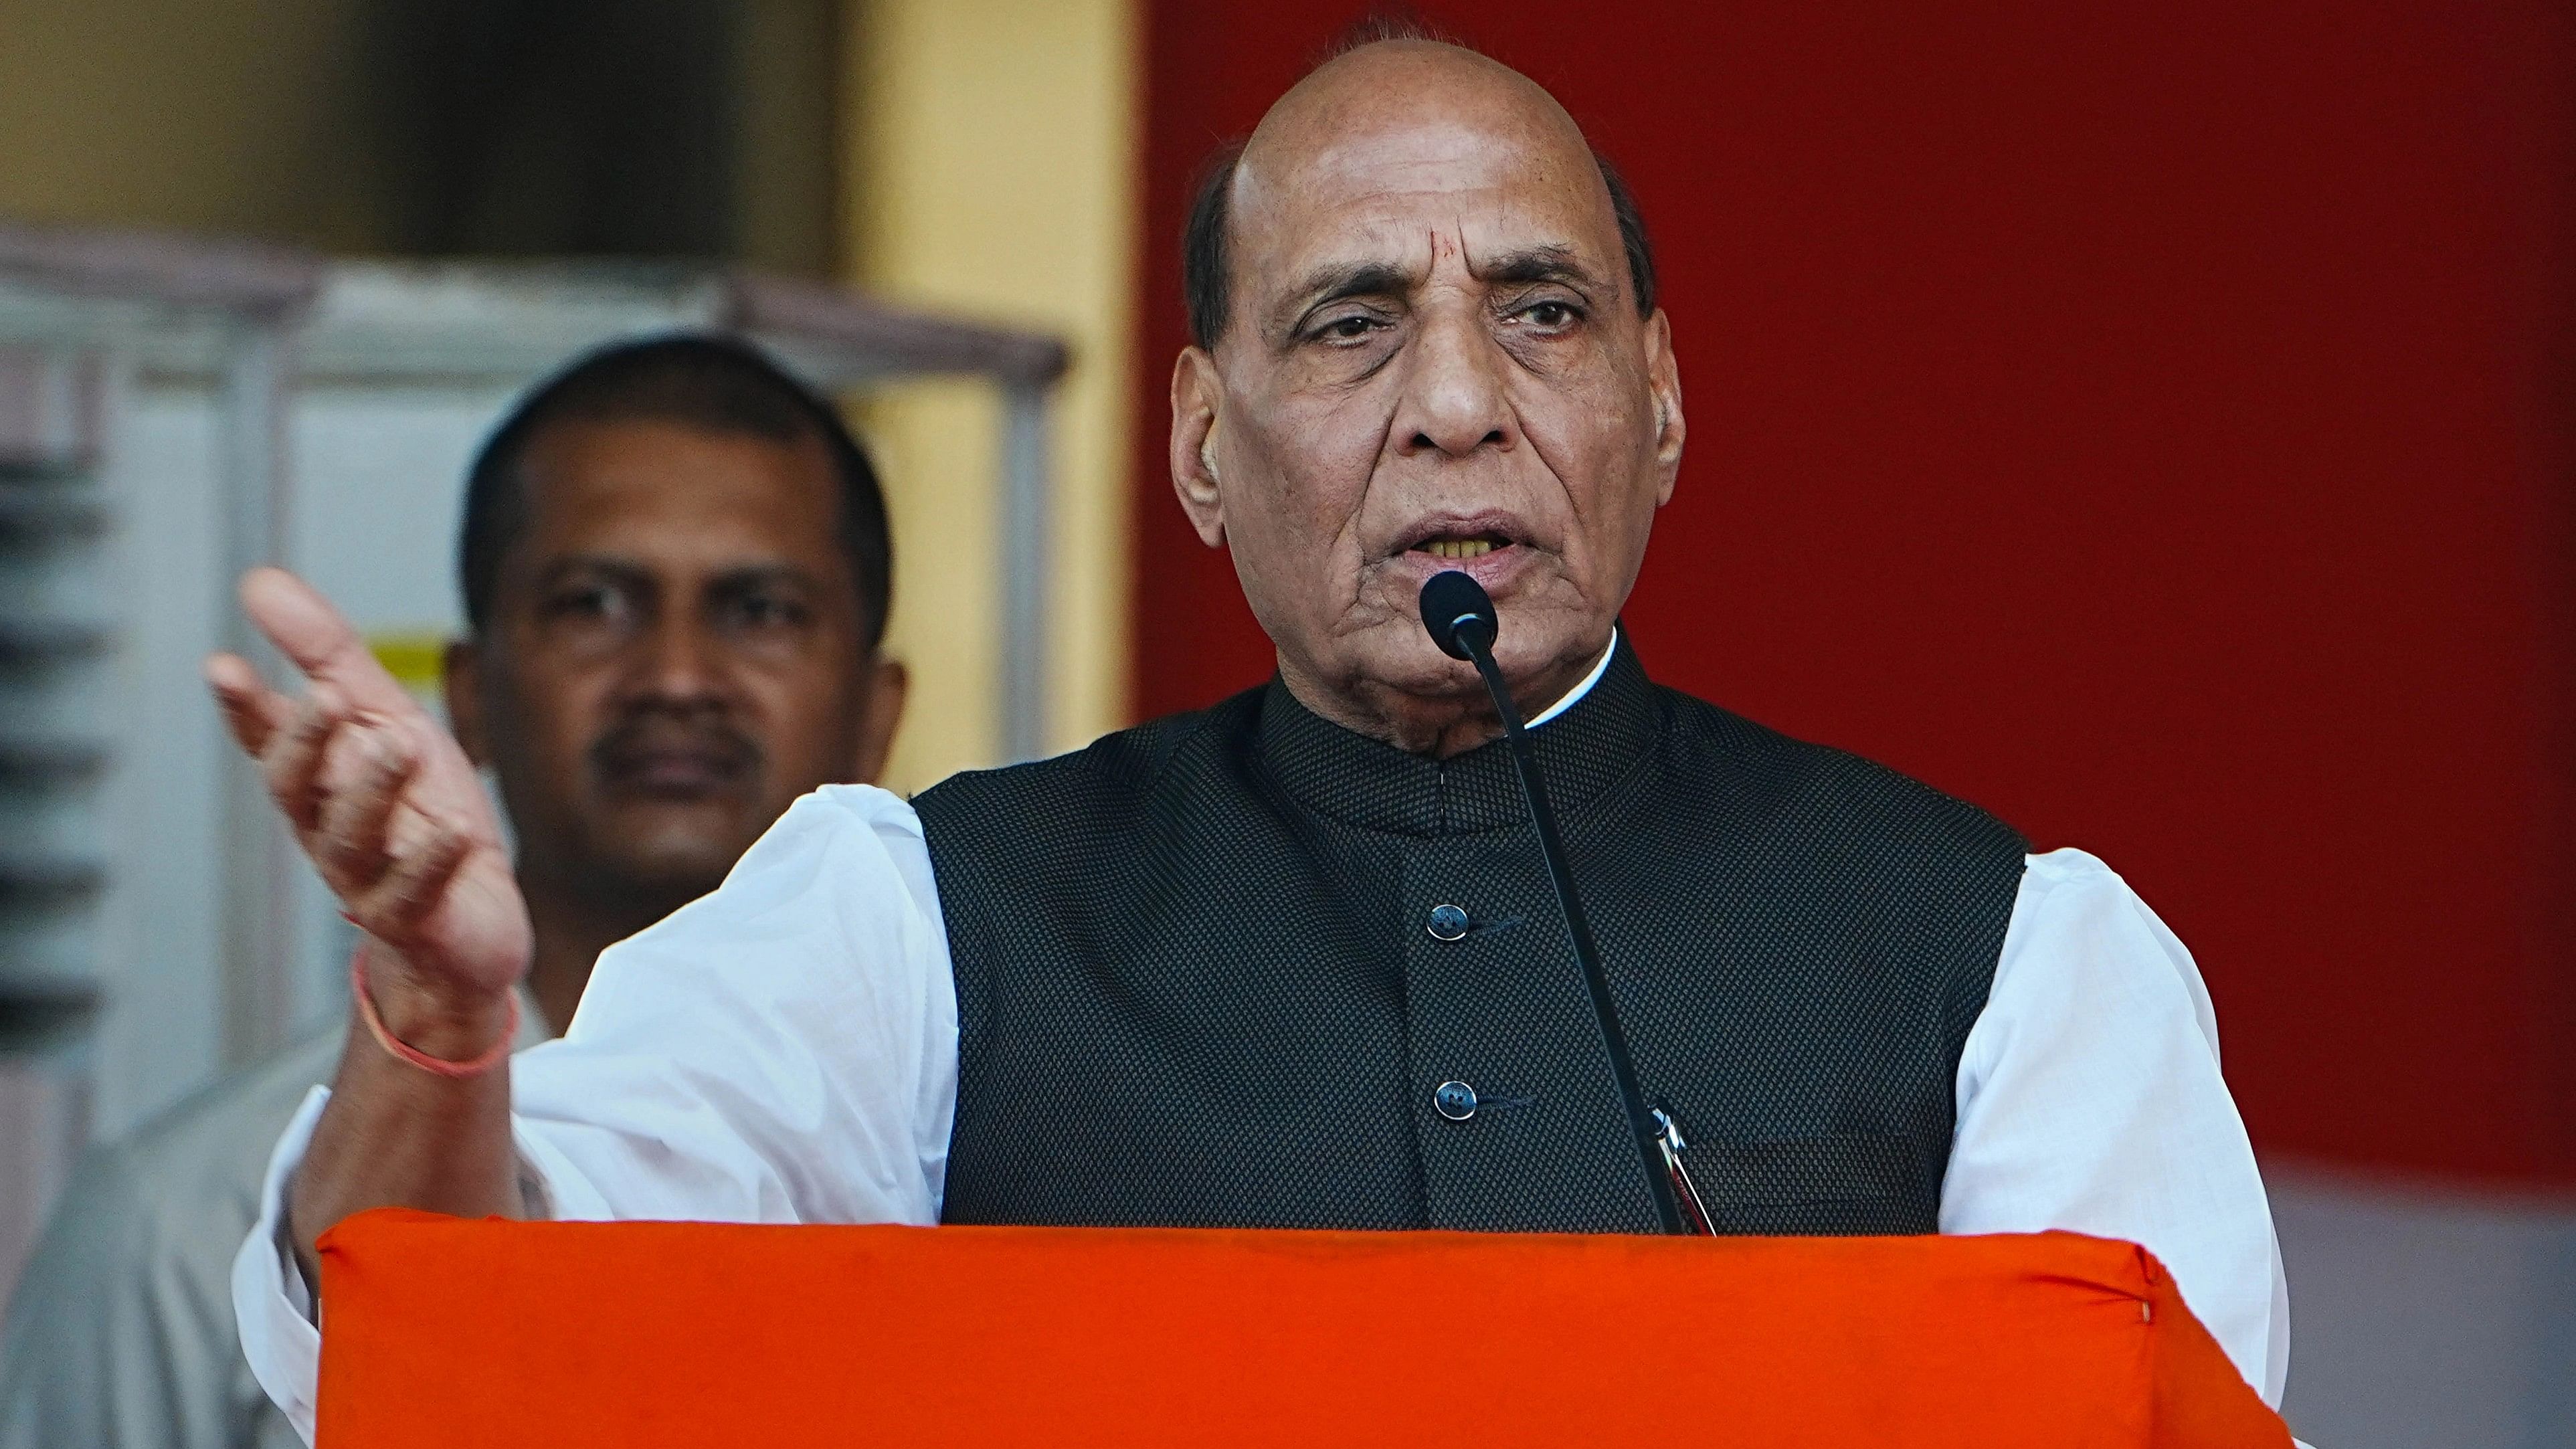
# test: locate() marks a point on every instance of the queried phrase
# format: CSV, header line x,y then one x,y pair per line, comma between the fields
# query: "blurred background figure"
x,y
496,187
675,568
2159,419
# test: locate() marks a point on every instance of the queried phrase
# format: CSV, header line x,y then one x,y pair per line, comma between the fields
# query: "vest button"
x,y
1448,923
1454,1100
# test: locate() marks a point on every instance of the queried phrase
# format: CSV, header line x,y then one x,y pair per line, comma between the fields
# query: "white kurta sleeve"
x,y
784,1050
2089,1099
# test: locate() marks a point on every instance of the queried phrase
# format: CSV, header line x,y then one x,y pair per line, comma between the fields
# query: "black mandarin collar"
x,y
1375,786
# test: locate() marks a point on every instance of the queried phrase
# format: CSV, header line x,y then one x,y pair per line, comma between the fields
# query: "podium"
x,y
444,1332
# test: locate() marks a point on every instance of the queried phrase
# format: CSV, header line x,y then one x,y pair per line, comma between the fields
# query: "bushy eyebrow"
x,y
1337,281
1525,266
1552,262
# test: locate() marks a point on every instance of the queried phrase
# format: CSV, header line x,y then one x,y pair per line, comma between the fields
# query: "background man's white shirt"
x,y
785,1050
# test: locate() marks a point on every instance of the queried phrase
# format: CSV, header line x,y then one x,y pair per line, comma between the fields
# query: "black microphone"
x,y
1462,621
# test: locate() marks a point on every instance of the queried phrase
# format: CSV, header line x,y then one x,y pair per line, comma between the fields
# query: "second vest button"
x,y
1454,1100
1448,923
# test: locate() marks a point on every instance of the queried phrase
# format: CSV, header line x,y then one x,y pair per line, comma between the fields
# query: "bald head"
x,y
1400,83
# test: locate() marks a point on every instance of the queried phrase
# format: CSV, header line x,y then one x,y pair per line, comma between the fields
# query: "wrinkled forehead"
x,y
1369,183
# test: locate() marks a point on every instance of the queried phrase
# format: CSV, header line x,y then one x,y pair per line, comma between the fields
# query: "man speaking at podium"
x,y
1292,961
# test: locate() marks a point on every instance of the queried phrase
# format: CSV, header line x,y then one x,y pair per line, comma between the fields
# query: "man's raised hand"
x,y
389,810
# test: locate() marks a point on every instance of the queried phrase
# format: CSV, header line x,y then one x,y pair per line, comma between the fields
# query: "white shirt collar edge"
x,y
1575,695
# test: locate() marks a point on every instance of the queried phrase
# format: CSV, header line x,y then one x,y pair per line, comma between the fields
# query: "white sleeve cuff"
x,y
274,1310
270,1305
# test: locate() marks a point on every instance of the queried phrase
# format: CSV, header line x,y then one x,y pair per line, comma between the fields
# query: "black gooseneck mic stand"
x,y
1462,621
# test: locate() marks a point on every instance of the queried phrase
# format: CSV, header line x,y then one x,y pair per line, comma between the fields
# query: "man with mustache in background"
x,y
675,570
1291,961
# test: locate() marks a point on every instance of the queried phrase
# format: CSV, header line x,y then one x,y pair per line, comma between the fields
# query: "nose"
x,y
1454,402
679,666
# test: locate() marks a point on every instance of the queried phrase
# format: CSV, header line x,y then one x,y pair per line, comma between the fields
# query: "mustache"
x,y
632,741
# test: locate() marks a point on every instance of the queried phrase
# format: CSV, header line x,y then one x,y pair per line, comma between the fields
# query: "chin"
x,y
1398,655
679,859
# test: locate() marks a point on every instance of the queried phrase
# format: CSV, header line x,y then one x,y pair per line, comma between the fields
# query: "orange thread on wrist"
x,y
435,1066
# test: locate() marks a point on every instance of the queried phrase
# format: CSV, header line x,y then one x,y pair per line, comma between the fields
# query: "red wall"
x,y
2153,427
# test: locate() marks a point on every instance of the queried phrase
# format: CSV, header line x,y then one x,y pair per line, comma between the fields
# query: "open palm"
x,y
380,797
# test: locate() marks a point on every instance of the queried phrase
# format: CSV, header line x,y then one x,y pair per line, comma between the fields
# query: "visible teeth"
x,y
1459,547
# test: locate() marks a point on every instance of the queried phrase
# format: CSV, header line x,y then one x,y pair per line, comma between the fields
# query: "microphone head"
x,y
1456,611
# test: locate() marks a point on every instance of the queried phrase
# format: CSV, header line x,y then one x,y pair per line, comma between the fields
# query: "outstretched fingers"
x,y
319,642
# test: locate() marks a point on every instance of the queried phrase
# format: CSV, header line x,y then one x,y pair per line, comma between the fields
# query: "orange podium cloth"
x,y
442,1332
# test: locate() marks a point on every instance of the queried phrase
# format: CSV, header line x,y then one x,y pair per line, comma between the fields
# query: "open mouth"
x,y
1461,548
1489,542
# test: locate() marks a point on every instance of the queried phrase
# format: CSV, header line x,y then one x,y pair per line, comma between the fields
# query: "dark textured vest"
x,y
1195,984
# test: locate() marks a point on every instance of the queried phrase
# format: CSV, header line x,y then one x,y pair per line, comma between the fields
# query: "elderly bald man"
x,y
1218,969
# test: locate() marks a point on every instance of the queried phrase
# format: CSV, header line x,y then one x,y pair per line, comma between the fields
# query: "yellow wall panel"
x,y
992,172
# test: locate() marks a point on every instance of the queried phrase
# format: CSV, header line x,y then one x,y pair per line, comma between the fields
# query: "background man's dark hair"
x,y
1207,286
702,380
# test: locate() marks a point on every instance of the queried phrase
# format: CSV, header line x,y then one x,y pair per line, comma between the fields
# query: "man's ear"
x,y
879,717
1664,381
461,681
1195,394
